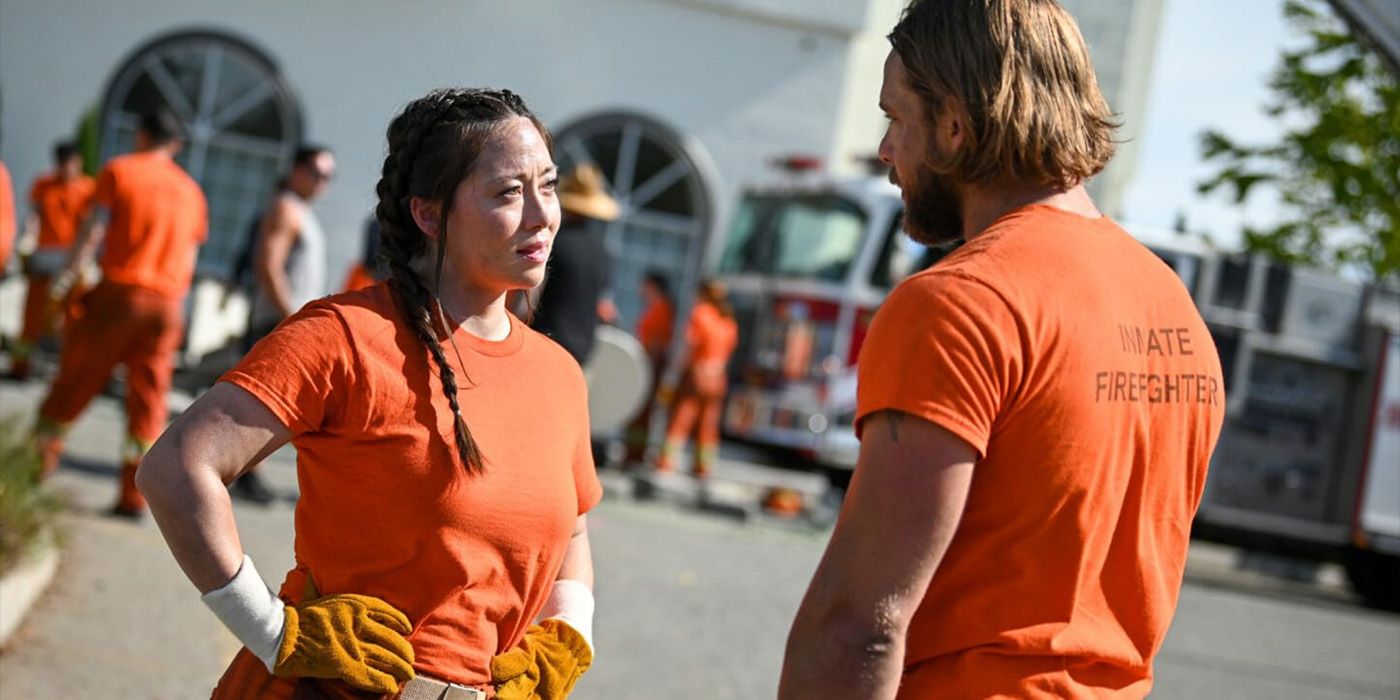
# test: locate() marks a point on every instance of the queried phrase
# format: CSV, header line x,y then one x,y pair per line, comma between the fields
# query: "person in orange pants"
x,y
711,336
59,201
157,218
654,332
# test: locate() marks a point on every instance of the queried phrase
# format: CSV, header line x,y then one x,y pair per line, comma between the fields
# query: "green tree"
x,y
1337,167
88,134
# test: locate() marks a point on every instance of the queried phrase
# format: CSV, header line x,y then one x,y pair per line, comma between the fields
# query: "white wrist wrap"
x,y
572,602
251,612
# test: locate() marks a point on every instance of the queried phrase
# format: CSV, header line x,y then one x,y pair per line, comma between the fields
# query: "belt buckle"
x,y
459,692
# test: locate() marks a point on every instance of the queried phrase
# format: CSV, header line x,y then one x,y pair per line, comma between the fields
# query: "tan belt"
x,y
425,688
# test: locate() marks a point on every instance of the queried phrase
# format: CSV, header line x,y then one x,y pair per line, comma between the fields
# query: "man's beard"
x,y
932,208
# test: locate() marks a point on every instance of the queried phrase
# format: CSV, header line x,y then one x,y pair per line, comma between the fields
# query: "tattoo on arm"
x,y
892,421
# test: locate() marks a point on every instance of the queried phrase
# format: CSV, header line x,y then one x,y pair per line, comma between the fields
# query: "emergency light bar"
x,y
797,164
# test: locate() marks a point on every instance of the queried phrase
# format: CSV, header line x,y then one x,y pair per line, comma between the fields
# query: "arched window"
x,y
240,117
659,178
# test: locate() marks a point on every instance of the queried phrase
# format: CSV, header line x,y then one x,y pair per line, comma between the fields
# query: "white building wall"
x,y
731,73
838,17
1122,39
747,79
861,125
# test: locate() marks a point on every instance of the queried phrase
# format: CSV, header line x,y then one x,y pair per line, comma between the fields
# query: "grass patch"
x,y
28,512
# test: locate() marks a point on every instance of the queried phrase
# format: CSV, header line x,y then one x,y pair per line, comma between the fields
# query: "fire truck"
x,y
1308,464
807,261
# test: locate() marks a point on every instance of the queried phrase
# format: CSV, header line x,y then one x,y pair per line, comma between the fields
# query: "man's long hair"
x,y
1019,75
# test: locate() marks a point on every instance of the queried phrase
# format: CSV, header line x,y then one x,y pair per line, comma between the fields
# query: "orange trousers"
x,y
698,412
248,679
37,320
118,325
41,318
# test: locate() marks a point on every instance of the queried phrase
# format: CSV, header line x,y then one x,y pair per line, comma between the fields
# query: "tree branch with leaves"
x,y
1336,168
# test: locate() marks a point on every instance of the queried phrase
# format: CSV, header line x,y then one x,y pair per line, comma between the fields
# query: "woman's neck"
x,y
482,315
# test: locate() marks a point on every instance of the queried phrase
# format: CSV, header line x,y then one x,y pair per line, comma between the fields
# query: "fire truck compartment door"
x,y
1380,503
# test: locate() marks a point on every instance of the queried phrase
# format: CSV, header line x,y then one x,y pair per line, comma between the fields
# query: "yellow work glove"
x,y
353,638
546,665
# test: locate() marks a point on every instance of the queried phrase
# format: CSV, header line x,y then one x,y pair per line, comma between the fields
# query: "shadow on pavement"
x,y
90,467
194,379
1264,585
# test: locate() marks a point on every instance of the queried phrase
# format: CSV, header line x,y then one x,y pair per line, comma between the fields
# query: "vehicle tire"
x,y
1375,577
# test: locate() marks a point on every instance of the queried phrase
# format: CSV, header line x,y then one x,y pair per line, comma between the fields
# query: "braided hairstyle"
x,y
433,144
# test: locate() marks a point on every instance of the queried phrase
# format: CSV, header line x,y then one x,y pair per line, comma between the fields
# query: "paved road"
x,y
691,605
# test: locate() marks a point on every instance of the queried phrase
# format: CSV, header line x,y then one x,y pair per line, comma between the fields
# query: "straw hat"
x,y
581,192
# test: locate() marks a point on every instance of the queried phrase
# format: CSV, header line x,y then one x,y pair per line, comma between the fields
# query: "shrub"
x,y
27,511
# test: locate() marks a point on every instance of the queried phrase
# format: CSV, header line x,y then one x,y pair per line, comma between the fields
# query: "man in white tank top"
x,y
289,259
289,264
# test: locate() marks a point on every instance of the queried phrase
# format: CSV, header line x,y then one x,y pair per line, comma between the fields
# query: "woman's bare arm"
x,y
184,475
578,558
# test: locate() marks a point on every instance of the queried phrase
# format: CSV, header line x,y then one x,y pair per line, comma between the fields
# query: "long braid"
x,y
416,303
432,144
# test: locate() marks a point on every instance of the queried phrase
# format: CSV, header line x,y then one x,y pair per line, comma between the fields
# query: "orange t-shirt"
x,y
654,327
7,216
712,337
1075,363
386,507
158,220
61,205
358,278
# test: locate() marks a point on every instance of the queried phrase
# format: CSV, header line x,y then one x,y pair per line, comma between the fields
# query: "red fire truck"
x,y
1309,462
807,262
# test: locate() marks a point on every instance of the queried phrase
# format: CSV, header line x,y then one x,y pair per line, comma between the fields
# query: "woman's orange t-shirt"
x,y
61,205
386,508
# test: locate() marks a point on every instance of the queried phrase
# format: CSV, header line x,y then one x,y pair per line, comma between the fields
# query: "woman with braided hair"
x,y
443,448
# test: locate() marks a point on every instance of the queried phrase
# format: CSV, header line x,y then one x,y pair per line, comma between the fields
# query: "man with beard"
x,y
1019,518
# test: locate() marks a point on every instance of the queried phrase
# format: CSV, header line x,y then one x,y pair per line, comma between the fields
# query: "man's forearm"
x,y
840,661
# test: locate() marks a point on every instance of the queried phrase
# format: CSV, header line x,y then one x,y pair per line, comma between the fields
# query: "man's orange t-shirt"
x,y
386,507
7,216
711,335
158,220
654,327
61,205
1075,363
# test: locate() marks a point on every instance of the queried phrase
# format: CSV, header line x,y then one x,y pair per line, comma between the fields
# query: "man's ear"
x,y
951,129
426,214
